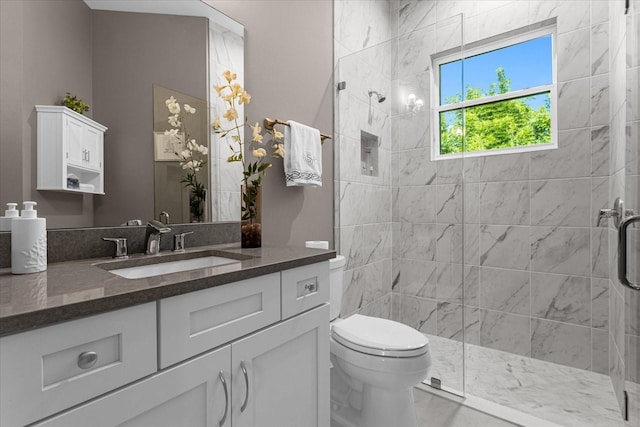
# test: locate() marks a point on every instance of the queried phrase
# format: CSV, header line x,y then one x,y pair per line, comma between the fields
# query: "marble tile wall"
x,y
536,268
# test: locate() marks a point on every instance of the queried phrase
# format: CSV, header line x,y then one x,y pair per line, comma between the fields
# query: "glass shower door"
x,y
632,199
429,205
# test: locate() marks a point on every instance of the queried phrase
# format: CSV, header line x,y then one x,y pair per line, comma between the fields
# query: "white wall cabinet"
x,y
244,362
69,144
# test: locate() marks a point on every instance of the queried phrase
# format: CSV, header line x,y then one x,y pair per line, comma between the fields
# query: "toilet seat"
x,y
379,337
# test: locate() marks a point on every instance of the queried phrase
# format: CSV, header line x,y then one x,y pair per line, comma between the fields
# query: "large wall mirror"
x,y
114,54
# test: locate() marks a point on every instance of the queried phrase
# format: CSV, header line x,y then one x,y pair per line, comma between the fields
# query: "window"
x,y
509,101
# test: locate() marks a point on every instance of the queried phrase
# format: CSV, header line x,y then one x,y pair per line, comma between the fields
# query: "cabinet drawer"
x,y
50,369
304,288
198,321
190,394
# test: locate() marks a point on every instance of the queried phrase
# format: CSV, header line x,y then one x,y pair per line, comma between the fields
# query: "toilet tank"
x,y
336,277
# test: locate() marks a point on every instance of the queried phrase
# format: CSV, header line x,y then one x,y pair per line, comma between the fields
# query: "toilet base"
x,y
354,404
397,410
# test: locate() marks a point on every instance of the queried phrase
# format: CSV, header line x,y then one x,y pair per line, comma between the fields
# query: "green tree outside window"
x,y
500,124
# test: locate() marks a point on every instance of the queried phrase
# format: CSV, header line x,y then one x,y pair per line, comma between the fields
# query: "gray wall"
x,y
110,60
288,72
34,70
132,52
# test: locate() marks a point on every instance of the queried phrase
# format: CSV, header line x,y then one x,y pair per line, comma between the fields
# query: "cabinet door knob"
x,y
246,383
226,398
87,359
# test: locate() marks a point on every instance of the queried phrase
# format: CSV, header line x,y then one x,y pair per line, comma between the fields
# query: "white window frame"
x,y
478,49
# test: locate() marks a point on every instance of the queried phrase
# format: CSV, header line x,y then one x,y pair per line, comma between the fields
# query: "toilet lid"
x,y
380,337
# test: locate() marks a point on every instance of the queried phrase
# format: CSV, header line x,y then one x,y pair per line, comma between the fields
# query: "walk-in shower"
x,y
497,258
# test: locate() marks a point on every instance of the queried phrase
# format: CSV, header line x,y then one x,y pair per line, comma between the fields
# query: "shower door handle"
x,y
622,251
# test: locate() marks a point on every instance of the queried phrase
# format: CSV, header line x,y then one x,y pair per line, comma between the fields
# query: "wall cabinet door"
x,y
191,394
281,374
74,134
93,142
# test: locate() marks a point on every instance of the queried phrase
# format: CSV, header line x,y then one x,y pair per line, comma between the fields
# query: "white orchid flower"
x,y
171,100
279,150
174,108
175,120
259,152
189,109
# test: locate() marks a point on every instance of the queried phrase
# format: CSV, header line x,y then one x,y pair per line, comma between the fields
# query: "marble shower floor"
x,y
561,394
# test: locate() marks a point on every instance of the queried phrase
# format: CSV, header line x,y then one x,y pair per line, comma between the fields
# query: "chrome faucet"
x,y
154,230
164,217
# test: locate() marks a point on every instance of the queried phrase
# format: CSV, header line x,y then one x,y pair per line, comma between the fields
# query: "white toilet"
x,y
375,364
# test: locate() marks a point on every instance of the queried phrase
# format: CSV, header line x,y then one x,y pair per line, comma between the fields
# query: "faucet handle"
x,y
158,226
178,241
121,246
617,213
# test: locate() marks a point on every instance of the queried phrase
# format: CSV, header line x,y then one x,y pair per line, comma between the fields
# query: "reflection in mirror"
x,y
110,54
180,184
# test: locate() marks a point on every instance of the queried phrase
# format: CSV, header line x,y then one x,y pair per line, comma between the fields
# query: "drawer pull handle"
x,y
87,359
226,398
246,382
311,287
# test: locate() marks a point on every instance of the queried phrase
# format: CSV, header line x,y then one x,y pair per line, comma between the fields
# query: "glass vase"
x,y
197,206
251,214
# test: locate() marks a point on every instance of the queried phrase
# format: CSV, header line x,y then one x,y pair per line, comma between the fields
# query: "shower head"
x,y
381,97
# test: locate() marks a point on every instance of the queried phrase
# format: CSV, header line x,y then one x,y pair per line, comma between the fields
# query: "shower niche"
x,y
369,153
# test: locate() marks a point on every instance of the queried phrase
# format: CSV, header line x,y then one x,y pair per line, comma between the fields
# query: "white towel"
x,y
303,155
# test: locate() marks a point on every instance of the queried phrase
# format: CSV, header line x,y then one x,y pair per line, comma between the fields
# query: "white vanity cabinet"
x,y
50,369
280,376
69,144
191,394
253,353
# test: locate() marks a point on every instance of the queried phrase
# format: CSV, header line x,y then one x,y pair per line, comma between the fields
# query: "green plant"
x,y
75,104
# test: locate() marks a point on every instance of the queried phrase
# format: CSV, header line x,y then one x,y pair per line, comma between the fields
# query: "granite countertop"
x,y
75,289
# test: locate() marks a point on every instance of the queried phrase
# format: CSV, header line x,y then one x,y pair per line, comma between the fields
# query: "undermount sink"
x,y
155,266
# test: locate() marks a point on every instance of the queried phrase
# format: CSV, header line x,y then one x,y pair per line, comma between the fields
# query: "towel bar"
x,y
270,123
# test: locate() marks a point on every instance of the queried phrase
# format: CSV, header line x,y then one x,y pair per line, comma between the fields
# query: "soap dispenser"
x,y
28,241
9,214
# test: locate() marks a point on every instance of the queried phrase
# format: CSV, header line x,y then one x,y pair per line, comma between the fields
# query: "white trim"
x,y
170,7
478,49
496,98
491,408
